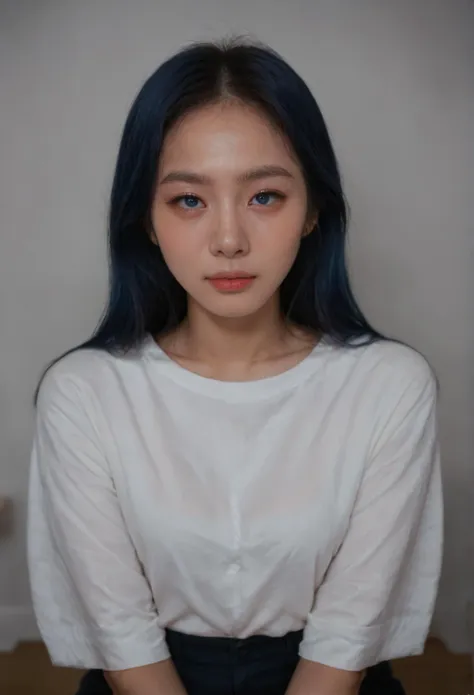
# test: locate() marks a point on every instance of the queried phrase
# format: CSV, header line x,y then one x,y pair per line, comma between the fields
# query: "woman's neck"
x,y
239,341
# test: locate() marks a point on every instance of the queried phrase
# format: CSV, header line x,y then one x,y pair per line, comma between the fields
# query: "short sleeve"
x,y
377,598
92,601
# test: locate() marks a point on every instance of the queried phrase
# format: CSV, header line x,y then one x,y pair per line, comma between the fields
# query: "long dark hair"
x,y
144,296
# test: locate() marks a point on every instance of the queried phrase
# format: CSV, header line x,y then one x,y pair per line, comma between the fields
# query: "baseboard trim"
x,y
17,624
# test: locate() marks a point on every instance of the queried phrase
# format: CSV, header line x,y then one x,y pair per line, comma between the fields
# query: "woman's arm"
x,y
312,678
155,679
376,600
94,605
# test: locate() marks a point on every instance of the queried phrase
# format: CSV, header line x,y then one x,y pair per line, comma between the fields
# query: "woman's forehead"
x,y
233,138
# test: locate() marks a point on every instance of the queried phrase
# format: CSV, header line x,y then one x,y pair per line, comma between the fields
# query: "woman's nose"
x,y
229,238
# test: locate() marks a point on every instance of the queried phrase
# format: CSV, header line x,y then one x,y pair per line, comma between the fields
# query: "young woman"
x,y
235,484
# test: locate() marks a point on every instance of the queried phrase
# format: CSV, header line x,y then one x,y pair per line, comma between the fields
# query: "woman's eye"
x,y
187,202
266,198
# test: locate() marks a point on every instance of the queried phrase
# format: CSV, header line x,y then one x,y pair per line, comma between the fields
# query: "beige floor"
x,y
27,671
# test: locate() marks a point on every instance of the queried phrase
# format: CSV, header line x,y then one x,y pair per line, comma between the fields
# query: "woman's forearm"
x,y
155,679
311,678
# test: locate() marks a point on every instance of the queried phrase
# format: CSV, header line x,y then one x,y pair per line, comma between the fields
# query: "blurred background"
x,y
394,79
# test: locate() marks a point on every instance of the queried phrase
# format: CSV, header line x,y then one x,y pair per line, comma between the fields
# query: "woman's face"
x,y
230,201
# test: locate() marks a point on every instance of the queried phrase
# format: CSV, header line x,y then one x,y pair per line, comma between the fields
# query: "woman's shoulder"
x,y
382,369
80,372
395,367
399,359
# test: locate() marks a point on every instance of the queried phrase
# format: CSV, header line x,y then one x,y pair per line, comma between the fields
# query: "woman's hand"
x,y
311,678
155,679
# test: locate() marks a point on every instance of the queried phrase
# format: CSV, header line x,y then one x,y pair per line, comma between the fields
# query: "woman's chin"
x,y
234,307
241,312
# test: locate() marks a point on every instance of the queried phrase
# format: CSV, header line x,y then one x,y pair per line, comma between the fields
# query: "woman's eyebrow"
x,y
186,177
262,172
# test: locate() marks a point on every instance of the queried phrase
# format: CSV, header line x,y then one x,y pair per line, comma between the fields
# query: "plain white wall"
x,y
394,80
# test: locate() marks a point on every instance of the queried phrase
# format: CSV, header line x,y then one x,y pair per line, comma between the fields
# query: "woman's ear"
x,y
151,233
310,225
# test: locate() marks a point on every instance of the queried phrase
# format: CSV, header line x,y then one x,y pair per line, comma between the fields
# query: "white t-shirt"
x,y
162,498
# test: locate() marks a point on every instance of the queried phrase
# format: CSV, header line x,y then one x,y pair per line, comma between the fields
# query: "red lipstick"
x,y
232,281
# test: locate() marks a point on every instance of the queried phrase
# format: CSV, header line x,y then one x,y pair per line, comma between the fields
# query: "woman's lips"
x,y
231,282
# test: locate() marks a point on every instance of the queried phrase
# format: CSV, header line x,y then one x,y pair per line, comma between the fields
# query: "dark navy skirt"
x,y
254,666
